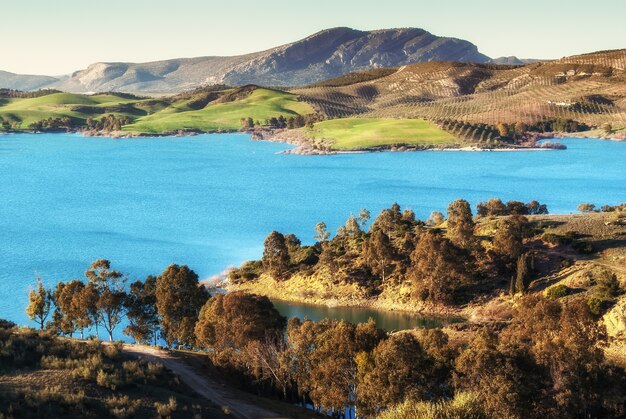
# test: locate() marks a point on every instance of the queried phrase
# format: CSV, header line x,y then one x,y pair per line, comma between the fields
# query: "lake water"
x,y
209,201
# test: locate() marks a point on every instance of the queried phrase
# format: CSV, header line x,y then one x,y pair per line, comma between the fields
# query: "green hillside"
x,y
351,133
206,111
22,112
260,105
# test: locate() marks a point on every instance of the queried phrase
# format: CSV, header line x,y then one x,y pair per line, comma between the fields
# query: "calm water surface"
x,y
209,201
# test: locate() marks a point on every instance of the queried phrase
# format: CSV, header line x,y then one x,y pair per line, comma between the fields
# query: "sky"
x,y
61,36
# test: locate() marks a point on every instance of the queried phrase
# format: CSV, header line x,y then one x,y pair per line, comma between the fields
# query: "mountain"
x,y
25,81
326,54
513,60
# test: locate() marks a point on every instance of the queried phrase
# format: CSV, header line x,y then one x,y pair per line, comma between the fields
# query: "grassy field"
x,y
352,133
24,112
260,105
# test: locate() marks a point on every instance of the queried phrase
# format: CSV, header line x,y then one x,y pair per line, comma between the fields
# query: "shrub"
x,y
122,406
557,291
595,305
608,286
164,410
109,380
112,351
463,405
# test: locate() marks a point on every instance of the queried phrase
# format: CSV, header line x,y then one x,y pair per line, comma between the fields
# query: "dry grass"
x,y
46,376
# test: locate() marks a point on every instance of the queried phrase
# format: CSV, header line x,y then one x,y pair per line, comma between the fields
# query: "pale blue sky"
x,y
60,36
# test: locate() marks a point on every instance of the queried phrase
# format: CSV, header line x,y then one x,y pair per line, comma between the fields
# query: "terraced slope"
x,y
589,88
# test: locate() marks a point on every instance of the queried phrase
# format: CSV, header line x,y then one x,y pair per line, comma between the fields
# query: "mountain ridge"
x,y
326,54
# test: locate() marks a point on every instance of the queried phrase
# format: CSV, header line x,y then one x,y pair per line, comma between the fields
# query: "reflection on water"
x,y
386,320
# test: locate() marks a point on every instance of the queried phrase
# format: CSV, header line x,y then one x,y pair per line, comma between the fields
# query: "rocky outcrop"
x,y
615,320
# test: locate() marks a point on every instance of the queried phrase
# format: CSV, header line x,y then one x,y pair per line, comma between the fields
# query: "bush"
x,y
464,405
248,271
595,305
557,291
122,406
608,286
164,410
109,380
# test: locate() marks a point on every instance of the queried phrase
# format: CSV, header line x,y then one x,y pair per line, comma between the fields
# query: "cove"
x,y
209,201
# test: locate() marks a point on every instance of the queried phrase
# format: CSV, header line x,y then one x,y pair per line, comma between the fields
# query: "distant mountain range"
x,y
25,81
326,54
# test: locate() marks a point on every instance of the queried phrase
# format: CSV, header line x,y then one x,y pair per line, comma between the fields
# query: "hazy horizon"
x,y
65,36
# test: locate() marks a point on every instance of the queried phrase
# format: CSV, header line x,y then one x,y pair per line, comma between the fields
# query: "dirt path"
x,y
201,384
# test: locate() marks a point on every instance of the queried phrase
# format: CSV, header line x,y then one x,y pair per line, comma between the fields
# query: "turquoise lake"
x,y
209,201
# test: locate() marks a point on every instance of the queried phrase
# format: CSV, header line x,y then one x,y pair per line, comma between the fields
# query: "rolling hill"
x,y
326,54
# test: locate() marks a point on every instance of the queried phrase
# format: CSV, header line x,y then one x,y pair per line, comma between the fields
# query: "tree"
x,y
89,301
435,219
326,368
379,253
84,302
352,226
142,311
364,217
39,303
516,208
437,268
101,275
503,129
535,208
179,298
111,305
321,232
586,207
68,315
460,224
564,342
109,285
523,273
398,368
276,255
272,360
508,240
231,321
493,207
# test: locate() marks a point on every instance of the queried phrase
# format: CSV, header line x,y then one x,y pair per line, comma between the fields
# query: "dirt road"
x,y
202,385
